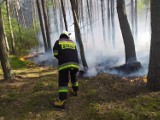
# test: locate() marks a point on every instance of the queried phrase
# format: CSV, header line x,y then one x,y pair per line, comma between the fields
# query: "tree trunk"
x,y
78,34
103,20
22,17
131,64
136,19
81,12
154,63
49,16
132,16
60,17
130,53
75,2
41,25
109,19
33,15
10,28
113,21
90,21
34,20
64,15
46,25
55,16
17,16
3,53
5,37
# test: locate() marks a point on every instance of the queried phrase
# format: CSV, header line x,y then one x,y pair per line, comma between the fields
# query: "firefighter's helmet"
x,y
65,34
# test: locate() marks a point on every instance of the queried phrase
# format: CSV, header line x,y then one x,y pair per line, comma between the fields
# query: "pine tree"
x,y
7,71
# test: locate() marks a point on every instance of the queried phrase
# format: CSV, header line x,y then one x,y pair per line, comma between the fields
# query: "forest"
x,y
118,47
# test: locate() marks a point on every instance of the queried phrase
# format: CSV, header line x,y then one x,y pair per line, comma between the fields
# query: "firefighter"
x,y
66,52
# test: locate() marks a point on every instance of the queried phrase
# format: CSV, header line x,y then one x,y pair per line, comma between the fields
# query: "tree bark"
x,y
7,71
55,16
5,37
130,53
109,19
60,17
131,64
10,28
113,21
136,19
33,15
41,25
49,17
22,17
78,34
132,16
154,62
75,2
64,15
17,16
90,21
46,26
103,20
34,20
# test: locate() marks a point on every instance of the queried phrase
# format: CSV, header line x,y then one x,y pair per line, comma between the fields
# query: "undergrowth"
x,y
104,97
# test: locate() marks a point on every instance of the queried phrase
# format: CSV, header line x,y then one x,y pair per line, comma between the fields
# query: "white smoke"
x,y
104,54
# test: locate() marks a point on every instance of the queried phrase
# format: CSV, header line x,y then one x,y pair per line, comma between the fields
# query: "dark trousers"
x,y
64,79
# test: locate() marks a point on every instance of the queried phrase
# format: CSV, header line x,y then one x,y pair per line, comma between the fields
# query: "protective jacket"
x,y
66,52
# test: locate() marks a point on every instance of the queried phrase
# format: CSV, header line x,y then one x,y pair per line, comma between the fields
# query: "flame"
x,y
145,79
22,59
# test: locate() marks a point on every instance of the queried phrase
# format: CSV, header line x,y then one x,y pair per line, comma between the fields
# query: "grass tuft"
x,y
16,63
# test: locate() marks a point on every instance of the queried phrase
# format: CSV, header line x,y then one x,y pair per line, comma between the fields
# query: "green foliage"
x,y
1,2
143,4
24,37
16,63
140,5
25,40
146,2
50,3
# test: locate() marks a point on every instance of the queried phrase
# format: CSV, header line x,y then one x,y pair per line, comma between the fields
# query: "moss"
x,y
41,100
99,98
118,115
44,85
145,103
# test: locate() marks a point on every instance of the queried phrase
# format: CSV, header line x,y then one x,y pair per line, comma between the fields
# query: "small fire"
x,y
29,56
145,79
22,59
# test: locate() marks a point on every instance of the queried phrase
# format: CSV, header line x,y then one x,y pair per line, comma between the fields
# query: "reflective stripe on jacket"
x,y
66,52
68,65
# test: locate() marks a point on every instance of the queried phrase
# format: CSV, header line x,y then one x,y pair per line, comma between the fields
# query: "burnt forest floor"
x,y
104,97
